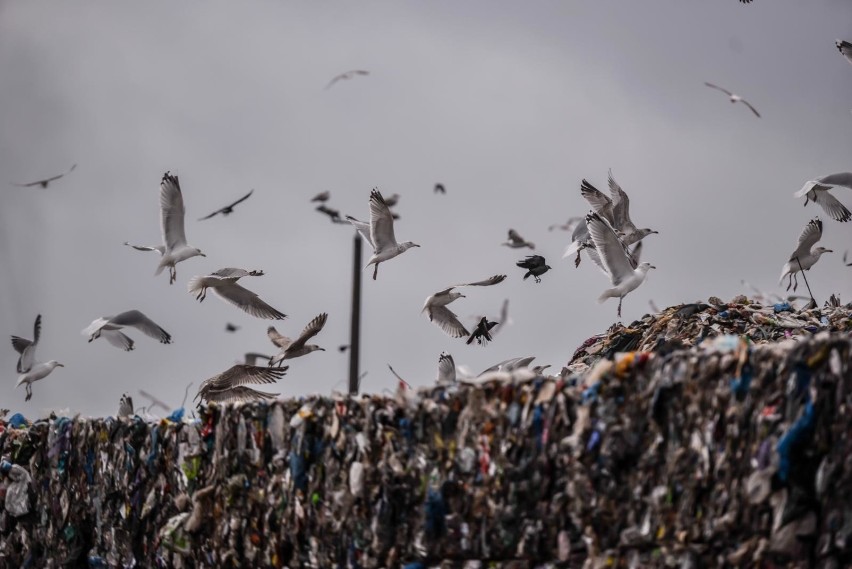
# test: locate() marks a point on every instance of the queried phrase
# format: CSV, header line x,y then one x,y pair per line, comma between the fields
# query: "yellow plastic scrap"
x,y
818,358
624,363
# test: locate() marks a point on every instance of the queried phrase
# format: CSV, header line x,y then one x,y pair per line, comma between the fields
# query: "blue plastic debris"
x,y
782,307
795,435
17,420
741,384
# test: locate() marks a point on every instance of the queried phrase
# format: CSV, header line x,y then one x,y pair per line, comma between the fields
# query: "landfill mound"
x,y
706,435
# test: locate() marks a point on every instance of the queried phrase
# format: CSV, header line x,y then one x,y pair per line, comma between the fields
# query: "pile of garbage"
x,y
690,438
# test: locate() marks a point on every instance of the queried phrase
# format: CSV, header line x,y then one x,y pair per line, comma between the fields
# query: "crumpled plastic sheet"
x,y
729,452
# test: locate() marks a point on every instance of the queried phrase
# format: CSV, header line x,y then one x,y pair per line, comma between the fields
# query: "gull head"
x,y
198,252
821,250
407,245
645,267
55,363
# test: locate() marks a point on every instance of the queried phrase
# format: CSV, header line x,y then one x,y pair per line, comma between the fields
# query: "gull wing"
x,y
808,238
496,279
118,339
228,207
600,203
838,179
172,212
242,374
311,330
830,204
712,86
363,228
231,272
635,254
159,248
381,223
281,341
248,301
845,48
142,323
27,348
43,183
620,207
237,394
610,249
447,320
446,369
746,103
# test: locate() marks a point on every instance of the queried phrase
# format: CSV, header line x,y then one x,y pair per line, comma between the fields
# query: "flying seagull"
x,y
615,259
298,347
224,284
436,307
332,213
379,232
733,98
229,385
818,191
804,257
535,265
845,48
440,189
516,241
28,368
228,209
172,213
109,327
43,183
345,76
569,225
482,332
321,197
125,406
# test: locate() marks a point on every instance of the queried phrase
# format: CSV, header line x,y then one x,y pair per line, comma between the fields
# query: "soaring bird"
x,y
379,232
321,197
482,333
298,347
125,406
440,189
345,76
804,257
616,260
818,191
535,265
516,241
845,49
230,385
172,213
228,209
733,98
436,306
28,368
109,327
43,183
224,284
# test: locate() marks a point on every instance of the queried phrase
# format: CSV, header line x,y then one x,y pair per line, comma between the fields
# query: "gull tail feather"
x,y
608,293
571,250
194,284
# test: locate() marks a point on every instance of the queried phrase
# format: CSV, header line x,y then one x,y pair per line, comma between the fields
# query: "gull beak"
x,y
462,296
829,251
60,365
653,267
202,254
323,349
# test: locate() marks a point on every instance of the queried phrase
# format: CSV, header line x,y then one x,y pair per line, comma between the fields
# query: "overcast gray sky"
x,y
508,104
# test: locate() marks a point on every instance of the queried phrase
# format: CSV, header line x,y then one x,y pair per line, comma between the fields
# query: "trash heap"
x,y
705,435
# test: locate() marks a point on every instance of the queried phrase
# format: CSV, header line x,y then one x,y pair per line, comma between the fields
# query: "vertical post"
x,y
355,324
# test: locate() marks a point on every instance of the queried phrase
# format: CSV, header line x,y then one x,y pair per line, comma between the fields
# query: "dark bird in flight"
x,y
734,98
440,189
347,75
516,241
535,265
321,197
231,327
228,208
482,333
332,213
46,181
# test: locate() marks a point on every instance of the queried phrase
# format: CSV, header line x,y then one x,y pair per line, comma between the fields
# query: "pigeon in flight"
x,y
845,49
440,189
436,307
535,265
804,257
734,98
482,333
346,76
224,284
615,259
44,183
321,197
293,349
228,209
516,241
230,385
818,191
28,368
379,232
109,327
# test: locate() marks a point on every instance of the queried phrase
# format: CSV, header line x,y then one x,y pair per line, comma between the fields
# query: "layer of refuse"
x,y
705,435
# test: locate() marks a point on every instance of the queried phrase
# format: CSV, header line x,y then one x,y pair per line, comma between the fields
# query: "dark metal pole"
x,y
355,329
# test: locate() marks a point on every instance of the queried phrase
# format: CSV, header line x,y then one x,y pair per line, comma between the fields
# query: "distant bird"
x,y
392,200
224,284
505,320
535,265
440,189
27,347
402,382
482,332
516,241
172,213
44,183
231,327
845,48
125,406
379,232
734,98
510,365
446,370
228,209
321,197
804,255
569,225
345,76
615,259
154,400
332,213
436,309
37,372
844,259
342,348
251,358
229,386
299,346
818,191
109,327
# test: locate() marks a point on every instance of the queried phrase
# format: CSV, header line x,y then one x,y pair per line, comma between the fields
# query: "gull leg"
x,y
620,298
29,392
375,271
796,285
577,260
172,274
790,281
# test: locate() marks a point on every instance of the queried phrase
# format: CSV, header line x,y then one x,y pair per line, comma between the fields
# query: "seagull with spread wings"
x,y
224,284
230,385
804,257
436,309
516,241
44,183
446,370
346,76
228,209
623,276
379,232
817,191
733,98
28,368
845,49
109,327
298,347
